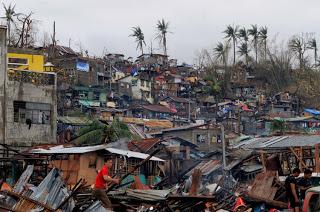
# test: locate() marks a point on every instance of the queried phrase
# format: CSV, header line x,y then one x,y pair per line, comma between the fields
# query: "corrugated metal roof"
x,y
143,145
69,150
280,142
24,178
80,150
206,167
131,154
52,191
96,207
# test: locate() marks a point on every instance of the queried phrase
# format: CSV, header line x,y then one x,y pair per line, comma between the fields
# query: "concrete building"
x,y
141,87
28,108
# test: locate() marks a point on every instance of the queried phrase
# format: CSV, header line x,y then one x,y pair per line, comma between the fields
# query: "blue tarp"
x,y
312,111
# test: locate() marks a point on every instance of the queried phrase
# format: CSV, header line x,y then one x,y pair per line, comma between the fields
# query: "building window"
x,y
17,61
201,138
148,84
37,113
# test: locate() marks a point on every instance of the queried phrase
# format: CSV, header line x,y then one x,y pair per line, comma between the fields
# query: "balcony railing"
x,y
36,78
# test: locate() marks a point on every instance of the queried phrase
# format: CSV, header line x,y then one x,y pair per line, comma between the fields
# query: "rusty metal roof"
x,y
143,145
157,108
206,167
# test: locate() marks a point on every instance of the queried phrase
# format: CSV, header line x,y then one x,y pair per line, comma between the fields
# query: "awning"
x,y
88,103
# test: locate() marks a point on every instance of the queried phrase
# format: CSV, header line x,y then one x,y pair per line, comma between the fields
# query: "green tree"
x,y
254,33
98,133
278,125
139,36
231,33
263,34
162,28
10,13
313,45
213,88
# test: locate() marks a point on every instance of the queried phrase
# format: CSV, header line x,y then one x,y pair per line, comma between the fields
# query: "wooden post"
x,y
303,165
263,161
316,155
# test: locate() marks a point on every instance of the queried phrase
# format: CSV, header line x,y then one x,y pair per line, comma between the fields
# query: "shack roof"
x,y
131,154
280,142
81,150
206,167
157,108
177,99
143,145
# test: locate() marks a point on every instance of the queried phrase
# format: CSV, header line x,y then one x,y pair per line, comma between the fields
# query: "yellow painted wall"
x,y
35,62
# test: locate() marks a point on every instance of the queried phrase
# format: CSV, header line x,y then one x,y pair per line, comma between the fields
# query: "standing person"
x,y
102,180
292,190
305,183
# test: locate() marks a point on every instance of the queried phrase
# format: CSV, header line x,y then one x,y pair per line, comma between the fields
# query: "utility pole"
x,y
189,115
224,163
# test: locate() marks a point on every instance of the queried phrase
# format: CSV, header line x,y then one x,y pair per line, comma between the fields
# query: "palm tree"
x,y
263,33
97,133
243,34
139,36
231,34
244,51
313,45
162,28
220,52
254,33
9,15
298,46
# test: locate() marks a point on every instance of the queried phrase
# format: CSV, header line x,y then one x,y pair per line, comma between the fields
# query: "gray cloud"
x,y
100,24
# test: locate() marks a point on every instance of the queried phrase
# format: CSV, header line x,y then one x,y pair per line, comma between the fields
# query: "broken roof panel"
x,y
143,145
69,150
131,154
206,167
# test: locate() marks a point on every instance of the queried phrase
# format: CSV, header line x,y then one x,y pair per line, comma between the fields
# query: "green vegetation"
x,y
98,133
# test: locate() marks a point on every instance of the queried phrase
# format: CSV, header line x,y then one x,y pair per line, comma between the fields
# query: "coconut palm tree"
x,y
139,36
243,34
220,52
298,46
10,13
254,33
162,28
232,34
313,45
263,34
244,51
97,133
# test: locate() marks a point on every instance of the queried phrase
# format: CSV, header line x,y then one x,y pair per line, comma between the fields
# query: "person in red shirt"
x,y
103,179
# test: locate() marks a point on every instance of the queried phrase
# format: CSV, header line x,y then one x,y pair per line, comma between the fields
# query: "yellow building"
x,y
25,59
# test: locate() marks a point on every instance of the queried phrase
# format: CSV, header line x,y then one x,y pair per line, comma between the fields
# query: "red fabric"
x,y
100,182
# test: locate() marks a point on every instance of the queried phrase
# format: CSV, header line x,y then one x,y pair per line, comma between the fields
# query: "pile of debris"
x,y
50,195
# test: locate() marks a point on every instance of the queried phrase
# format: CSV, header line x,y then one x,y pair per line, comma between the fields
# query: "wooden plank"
x,y
297,156
316,155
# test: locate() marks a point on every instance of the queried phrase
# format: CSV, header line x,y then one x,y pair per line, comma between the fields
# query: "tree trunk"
x,y
234,52
256,49
265,49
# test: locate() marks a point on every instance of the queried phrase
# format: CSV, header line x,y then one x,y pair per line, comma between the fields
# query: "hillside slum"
x,y
181,137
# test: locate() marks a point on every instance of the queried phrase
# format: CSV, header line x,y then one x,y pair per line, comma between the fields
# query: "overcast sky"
x,y
195,24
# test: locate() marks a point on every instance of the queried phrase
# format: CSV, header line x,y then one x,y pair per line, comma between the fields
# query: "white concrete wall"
x,y
18,134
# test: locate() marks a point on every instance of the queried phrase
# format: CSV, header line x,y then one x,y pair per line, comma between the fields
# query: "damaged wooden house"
x,y
84,162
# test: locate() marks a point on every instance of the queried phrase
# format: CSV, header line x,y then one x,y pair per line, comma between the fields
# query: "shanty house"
x,y
205,136
84,162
